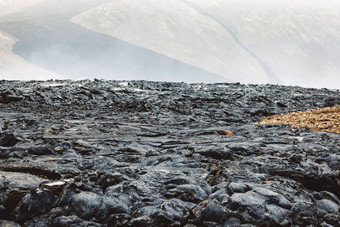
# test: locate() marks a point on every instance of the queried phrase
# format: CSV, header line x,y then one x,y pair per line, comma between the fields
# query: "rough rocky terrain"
x,y
108,153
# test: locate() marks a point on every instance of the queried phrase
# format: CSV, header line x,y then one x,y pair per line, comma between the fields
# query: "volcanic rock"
x,y
9,140
144,153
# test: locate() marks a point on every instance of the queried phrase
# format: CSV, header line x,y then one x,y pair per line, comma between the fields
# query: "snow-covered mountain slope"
x,y
13,66
298,39
290,42
47,8
176,30
49,40
11,6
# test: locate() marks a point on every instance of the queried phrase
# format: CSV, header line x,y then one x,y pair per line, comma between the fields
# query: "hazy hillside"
x,y
260,41
48,39
11,6
292,42
13,66
298,39
176,30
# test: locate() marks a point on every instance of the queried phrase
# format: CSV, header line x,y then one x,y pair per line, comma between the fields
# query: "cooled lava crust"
x,y
137,153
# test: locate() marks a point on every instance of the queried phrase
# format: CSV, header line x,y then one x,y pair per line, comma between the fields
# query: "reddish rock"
x,y
227,133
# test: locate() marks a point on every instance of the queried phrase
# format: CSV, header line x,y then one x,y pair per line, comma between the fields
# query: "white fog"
x,y
288,42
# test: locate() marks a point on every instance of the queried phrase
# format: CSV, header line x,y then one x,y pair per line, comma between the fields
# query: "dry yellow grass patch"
x,y
320,120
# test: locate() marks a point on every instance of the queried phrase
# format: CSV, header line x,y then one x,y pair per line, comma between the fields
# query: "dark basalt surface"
x,y
108,153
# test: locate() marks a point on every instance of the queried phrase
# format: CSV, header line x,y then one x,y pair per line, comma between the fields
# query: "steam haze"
x,y
289,42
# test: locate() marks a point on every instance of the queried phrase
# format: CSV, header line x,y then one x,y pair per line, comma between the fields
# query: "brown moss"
x,y
320,120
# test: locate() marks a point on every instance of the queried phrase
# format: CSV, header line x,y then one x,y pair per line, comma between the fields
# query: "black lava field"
x,y
137,153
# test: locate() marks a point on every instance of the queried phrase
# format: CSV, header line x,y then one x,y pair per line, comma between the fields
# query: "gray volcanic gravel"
x,y
137,153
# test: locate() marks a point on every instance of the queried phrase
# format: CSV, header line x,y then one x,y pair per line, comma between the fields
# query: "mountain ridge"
x,y
52,42
262,41
199,41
